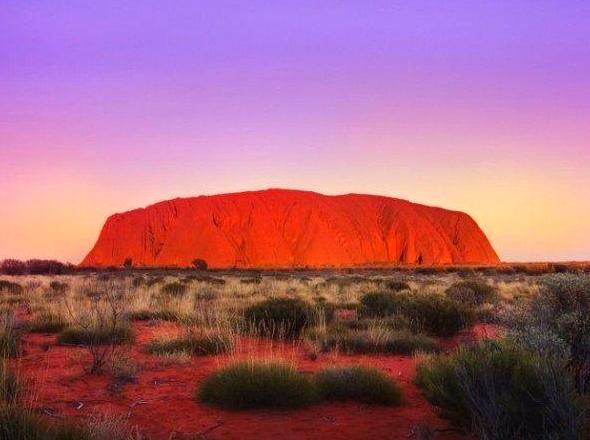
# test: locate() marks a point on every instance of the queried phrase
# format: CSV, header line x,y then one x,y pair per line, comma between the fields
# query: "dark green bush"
x,y
556,322
436,314
121,334
472,293
379,304
279,317
432,313
244,385
174,289
200,345
358,383
501,392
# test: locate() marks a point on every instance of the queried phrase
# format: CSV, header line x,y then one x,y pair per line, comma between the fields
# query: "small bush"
x,y
11,287
47,322
397,285
358,383
203,345
58,287
436,314
245,385
472,293
200,264
560,314
279,317
379,304
174,289
121,334
501,391
148,315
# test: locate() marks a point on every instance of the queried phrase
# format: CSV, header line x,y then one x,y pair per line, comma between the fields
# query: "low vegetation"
x,y
358,383
531,383
279,317
191,344
252,384
499,390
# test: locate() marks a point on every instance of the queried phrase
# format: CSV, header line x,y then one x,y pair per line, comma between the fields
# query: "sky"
x,y
479,106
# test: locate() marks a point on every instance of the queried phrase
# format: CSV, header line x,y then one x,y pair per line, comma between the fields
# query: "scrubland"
x,y
130,354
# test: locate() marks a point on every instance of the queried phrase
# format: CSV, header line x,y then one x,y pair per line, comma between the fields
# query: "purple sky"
x,y
471,105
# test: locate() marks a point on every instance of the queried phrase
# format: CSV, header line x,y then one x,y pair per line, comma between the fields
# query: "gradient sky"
x,y
481,106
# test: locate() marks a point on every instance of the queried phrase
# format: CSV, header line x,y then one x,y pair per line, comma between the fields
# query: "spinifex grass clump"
x,y
501,392
358,383
397,285
9,384
375,340
257,384
174,289
47,322
122,333
58,287
192,344
279,317
9,337
10,287
472,293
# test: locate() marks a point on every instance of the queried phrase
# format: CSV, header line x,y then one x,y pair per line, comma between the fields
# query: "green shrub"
x,y
436,314
244,385
121,334
556,322
47,322
279,317
374,341
500,391
11,287
202,345
174,289
358,383
379,304
472,293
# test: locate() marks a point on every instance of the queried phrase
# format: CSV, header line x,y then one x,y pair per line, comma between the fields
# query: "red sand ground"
x,y
286,228
160,403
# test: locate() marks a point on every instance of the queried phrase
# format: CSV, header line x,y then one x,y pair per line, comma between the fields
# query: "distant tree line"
x,y
12,266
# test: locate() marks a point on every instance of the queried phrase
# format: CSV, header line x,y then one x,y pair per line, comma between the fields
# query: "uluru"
x,y
279,228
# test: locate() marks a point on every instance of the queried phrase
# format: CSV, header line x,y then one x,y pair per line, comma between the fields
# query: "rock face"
x,y
286,228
